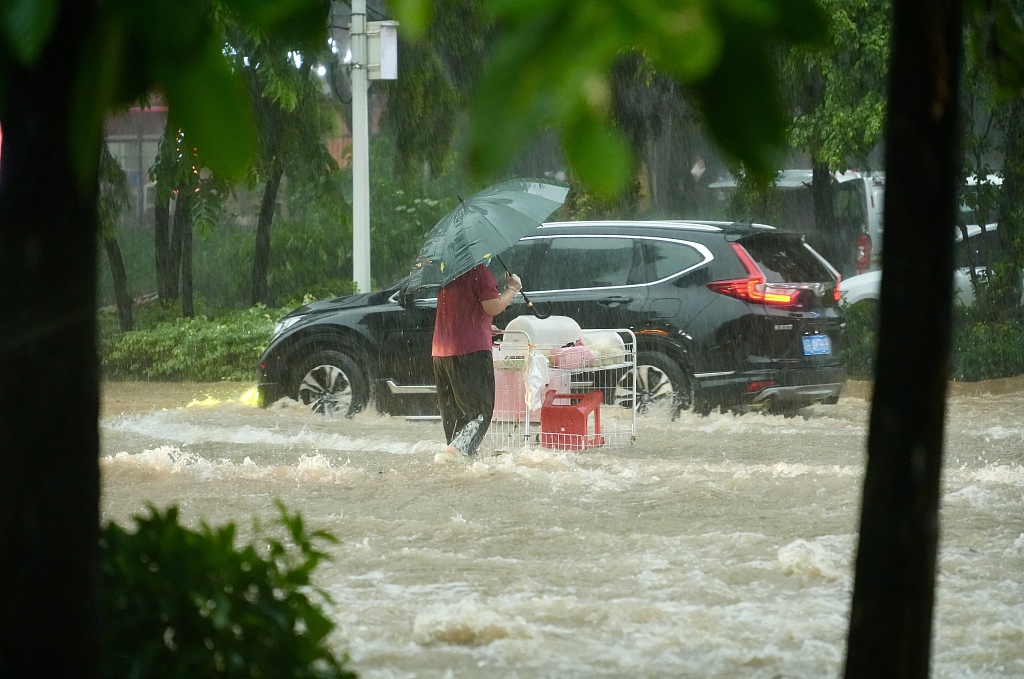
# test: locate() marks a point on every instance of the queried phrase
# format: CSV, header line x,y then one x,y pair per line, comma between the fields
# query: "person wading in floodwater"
x,y
463,364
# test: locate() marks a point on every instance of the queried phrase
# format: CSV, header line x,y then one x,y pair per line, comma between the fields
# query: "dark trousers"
x,y
465,395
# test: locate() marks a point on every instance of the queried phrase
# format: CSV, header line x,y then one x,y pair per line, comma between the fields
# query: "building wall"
x,y
133,138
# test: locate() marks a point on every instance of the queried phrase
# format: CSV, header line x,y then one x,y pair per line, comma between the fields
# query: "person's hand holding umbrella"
x,y
513,286
512,281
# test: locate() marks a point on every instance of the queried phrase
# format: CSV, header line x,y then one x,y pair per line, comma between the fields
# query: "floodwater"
x,y
711,547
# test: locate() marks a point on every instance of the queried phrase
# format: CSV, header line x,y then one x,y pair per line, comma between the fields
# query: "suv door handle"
x,y
615,300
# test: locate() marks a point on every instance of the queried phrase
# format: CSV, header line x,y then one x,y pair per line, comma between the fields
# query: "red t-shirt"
x,y
462,326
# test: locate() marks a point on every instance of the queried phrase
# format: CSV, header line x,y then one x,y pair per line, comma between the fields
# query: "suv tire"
x,y
661,380
330,383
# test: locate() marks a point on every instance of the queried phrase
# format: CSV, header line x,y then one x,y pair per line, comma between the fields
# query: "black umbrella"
x,y
484,226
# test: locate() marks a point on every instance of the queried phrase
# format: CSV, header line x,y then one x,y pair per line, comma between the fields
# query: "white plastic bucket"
x,y
545,333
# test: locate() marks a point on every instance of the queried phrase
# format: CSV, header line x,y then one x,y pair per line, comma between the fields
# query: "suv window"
x,y
785,260
596,261
567,262
666,258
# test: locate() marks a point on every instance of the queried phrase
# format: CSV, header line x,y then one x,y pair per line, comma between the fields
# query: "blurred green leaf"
x,y
303,21
210,104
742,106
802,21
599,154
97,83
550,55
999,44
690,48
759,12
26,26
414,16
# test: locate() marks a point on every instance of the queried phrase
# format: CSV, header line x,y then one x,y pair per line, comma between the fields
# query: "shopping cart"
x,y
567,396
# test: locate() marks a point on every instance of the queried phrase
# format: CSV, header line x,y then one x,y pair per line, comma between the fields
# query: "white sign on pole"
x,y
382,42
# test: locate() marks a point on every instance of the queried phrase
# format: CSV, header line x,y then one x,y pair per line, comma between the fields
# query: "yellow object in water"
x,y
250,397
207,402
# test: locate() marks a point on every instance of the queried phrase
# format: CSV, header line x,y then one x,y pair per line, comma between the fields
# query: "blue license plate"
x,y
816,345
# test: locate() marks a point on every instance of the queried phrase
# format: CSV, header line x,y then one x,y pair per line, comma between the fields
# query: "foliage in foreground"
x,y
184,603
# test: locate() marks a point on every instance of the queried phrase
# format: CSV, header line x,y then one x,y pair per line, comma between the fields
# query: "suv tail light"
x,y
863,253
754,288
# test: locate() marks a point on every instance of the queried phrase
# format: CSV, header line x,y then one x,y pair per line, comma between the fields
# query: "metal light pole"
x,y
374,57
360,151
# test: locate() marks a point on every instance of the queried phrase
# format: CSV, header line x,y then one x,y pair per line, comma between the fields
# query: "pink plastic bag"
x,y
573,357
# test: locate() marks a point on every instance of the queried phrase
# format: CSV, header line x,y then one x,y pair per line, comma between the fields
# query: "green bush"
x,y
191,349
985,349
179,603
860,340
982,348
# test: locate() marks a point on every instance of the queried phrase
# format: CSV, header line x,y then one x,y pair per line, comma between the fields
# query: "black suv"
x,y
725,315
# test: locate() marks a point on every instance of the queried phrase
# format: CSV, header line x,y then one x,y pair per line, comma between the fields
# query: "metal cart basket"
x,y
577,396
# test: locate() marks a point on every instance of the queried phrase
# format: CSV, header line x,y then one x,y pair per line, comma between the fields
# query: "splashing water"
x,y
713,547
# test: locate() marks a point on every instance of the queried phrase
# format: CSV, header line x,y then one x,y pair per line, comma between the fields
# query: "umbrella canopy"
x,y
482,227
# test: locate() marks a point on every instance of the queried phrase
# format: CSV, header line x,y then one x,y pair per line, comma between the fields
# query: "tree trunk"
x,y
49,406
832,244
894,591
181,214
167,258
261,252
183,231
165,283
120,281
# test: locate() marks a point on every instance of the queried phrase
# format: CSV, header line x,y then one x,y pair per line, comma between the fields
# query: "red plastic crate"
x,y
566,425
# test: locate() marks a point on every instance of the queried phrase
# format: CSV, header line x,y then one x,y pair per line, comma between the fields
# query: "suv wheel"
x,y
659,380
330,383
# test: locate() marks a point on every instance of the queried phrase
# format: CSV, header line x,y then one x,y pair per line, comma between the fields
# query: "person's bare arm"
x,y
493,307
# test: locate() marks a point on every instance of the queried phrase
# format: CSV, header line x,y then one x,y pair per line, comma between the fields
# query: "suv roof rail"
x,y
681,224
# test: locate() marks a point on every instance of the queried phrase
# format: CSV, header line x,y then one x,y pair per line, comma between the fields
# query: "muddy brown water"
x,y
711,547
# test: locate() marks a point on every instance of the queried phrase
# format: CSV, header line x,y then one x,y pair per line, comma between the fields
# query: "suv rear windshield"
x,y
786,259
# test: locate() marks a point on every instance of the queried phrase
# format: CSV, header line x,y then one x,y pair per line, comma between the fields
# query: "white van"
x,y
857,203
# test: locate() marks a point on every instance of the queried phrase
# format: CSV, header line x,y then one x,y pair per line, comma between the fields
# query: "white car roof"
x,y
795,179
973,230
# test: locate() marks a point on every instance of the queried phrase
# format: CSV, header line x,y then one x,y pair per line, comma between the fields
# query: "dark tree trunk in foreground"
x,y
49,406
261,252
893,596
119,279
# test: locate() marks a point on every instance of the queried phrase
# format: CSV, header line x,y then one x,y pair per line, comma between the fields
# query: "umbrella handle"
x,y
536,312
